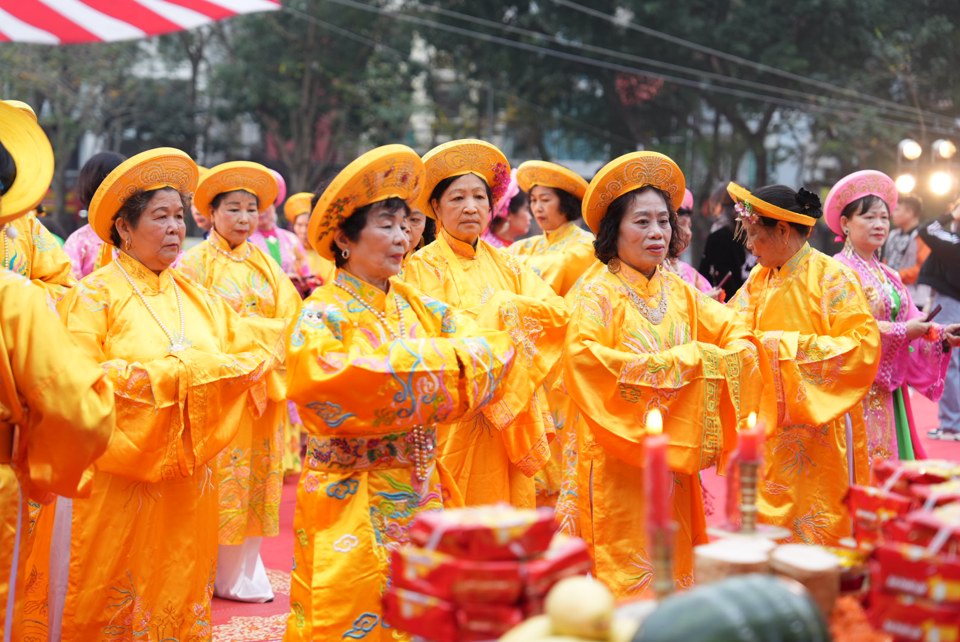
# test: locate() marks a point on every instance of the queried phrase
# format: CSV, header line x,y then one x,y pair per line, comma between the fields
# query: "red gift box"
x,y
911,620
871,508
422,615
478,582
933,495
912,570
498,532
440,621
921,528
455,580
900,475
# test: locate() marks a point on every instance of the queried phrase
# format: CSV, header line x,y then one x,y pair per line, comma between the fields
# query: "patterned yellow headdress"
x,y
234,176
32,154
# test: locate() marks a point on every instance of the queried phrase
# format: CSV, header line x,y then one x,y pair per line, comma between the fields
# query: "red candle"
x,y
750,439
658,478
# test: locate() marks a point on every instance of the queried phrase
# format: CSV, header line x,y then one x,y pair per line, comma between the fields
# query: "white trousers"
x,y
241,575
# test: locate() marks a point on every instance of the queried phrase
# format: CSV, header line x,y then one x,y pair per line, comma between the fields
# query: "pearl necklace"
x,y
381,316
422,447
653,315
229,255
176,345
6,231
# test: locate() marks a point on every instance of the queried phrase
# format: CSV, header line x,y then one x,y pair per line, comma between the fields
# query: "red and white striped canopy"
x,y
56,22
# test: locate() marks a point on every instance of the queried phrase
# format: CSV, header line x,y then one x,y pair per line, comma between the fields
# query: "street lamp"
x,y
911,149
906,183
941,182
944,149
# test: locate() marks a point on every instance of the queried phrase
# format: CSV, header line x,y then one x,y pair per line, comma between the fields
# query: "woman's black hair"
x,y
605,245
429,232
862,205
570,206
8,170
801,202
215,203
442,186
353,225
720,196
93,172
133,208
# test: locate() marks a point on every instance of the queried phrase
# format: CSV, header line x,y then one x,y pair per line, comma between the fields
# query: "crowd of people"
x,y
432,355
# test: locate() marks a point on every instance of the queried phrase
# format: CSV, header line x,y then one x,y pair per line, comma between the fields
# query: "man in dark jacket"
x,y
941,272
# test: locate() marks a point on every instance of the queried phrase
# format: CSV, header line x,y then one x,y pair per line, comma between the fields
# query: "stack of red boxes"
x,y
912,525
475,573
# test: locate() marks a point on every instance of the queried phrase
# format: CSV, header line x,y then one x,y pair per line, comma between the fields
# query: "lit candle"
x,y
659,500
750,439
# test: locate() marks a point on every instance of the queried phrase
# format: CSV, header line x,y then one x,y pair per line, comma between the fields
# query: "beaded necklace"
x,y
653,315
230,255
381,316
176,344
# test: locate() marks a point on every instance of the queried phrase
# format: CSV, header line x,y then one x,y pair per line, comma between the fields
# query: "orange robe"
x,y
364,396
62,406
699,366
37,255
823,347
249,469
489,463
560,257
143,546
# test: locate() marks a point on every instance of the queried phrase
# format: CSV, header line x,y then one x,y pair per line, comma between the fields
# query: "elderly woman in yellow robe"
x,y
56,404
640,339
378,369
823,346
29,249
250,468
142,549
496,460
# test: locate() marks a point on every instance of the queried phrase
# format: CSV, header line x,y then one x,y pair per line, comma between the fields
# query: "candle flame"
x,y
752,420
654,422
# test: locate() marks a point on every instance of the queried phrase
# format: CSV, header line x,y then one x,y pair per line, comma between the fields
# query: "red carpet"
x,y
236,622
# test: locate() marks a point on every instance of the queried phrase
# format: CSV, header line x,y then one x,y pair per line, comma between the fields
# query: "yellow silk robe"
x,y
35,254
823,347
363,395
62,403
560,257
699,366
143,546
250,469
488,463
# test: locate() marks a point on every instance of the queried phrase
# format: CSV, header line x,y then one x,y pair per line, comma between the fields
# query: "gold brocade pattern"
x,y
493,455
699,367
249,469
822,346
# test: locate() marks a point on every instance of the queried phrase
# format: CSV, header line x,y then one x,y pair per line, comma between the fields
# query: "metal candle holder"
x,y
663,585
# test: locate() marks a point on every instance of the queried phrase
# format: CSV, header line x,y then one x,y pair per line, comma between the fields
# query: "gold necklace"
x,y
653,315
6,231
381,316
176,344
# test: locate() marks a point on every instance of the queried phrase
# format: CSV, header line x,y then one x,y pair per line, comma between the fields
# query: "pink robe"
x,y
293,258
82,247
921,363
689,274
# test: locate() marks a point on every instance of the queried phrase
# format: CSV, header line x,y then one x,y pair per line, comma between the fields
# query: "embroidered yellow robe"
x,y
35,254
62,404
250,468
488,463
143,546
371,404
823,348
699,366
560,257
